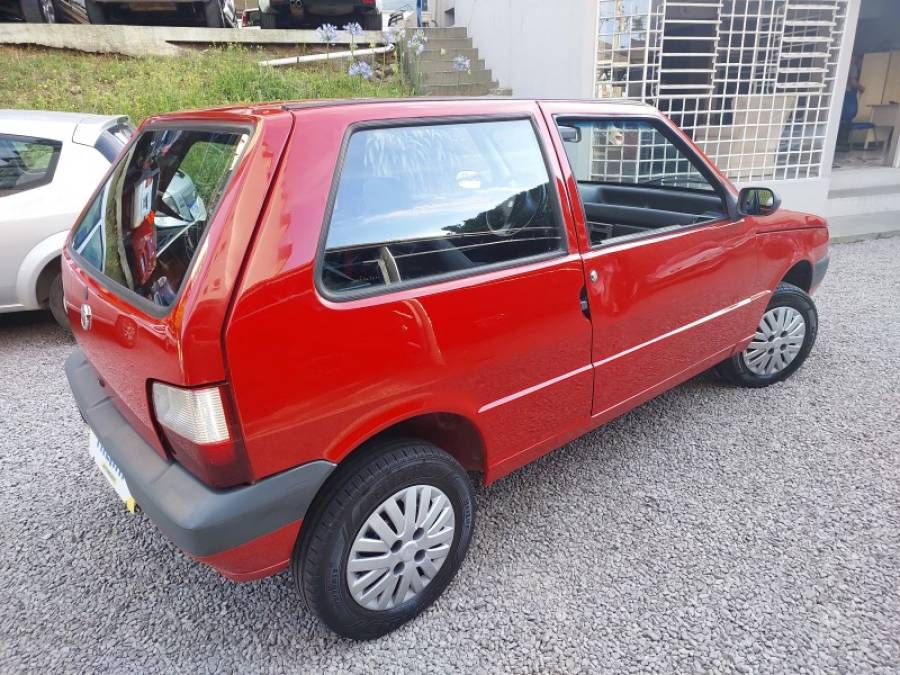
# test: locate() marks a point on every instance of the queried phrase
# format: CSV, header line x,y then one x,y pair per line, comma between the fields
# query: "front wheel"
x,y
783,339
38,11
385,539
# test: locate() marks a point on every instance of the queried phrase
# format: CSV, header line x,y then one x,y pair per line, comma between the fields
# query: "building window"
x,y
750,81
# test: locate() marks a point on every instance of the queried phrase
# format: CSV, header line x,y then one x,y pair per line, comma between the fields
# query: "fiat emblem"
x,y
86,316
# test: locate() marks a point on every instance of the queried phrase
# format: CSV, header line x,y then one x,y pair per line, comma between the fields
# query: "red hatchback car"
x,y
347,308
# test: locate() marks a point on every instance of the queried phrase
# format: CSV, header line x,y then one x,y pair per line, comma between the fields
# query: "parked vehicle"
x,y
381,298
250,18
43,11
209,13
313,13
50,164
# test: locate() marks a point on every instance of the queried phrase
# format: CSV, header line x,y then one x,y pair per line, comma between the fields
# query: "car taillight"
x,y
199,428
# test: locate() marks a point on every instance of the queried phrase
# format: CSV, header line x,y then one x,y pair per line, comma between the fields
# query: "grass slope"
x,y
140,87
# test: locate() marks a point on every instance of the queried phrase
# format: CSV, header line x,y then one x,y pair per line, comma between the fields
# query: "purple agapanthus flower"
x,y
461,64
327,33
360,69
389,36
354,29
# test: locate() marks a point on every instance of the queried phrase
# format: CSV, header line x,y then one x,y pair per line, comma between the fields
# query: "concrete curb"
x,y
867,236
157,40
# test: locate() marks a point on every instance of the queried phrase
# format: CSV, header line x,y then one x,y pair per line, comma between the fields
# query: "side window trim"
x,y
47,178
385,291
728,200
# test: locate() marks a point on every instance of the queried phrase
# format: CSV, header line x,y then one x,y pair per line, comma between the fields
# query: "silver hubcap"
x,y
401,547
777,341
48,10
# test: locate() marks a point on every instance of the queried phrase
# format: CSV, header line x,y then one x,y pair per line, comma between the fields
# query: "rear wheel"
x,y
57,303
96,12
386,538
38,11
213,14
270,20
371,21
783,339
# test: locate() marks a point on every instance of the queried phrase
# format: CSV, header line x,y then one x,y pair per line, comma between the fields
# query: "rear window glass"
x,y
143,228
26,162
422,201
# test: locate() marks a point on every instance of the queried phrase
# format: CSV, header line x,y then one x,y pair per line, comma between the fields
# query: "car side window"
x,y
633,179
26,162
415,202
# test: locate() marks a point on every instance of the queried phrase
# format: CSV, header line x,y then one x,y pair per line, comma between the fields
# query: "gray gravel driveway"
x,y
713,529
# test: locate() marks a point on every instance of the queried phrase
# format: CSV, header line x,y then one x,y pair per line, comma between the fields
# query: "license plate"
x,y
111,472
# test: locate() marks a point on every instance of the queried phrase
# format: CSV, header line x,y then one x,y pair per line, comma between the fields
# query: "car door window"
x,y
634,179
26,162
424,201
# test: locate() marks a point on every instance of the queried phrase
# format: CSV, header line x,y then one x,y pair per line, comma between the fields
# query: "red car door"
x,y
671,276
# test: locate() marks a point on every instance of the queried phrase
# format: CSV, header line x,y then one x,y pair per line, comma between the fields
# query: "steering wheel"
x,y
516,212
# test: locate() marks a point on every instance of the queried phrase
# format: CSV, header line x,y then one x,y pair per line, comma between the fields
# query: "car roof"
x,y
56,125
489,103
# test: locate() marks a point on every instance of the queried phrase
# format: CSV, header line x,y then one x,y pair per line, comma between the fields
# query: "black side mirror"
x,y
570,134
758,201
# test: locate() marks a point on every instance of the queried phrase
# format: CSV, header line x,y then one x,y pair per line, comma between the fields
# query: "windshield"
x,y
143,228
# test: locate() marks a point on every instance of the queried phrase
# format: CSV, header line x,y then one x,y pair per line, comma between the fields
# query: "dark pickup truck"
x,y
313,13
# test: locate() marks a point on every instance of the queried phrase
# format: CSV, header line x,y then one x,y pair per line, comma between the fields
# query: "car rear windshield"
x,y
146,223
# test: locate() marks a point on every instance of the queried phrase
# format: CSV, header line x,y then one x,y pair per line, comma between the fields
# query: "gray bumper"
x,y
818,272
199,519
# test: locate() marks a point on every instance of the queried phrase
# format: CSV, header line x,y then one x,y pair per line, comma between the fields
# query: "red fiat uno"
x,y
303,327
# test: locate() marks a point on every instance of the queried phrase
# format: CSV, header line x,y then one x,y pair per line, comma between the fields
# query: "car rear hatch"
x,y
149,271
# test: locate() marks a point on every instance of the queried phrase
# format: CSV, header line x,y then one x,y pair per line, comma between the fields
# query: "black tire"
x,y
96,12
36,11
57,304
736,370
353,494
371,21
213,14
270,20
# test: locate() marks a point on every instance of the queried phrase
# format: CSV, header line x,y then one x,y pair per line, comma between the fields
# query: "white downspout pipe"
x,y
312,58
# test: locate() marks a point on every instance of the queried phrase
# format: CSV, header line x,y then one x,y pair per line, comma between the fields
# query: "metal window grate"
x,y
750,81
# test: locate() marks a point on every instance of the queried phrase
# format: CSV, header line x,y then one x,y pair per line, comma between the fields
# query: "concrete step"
x,y
449,44
434,54
445,65
848,178
452,77
450,32
866,226
863,200
476,89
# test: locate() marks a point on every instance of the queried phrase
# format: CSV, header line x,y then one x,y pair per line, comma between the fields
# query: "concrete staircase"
x,y
864,203
434,68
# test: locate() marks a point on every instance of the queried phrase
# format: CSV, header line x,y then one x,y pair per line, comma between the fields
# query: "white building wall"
x,y
539,49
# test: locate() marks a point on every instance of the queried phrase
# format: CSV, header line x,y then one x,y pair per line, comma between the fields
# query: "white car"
x,y
50,165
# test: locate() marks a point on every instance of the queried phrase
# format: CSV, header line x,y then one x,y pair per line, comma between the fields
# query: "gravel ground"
x,y
713,529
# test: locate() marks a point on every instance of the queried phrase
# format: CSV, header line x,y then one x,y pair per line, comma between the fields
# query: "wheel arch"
x,y
452,432
37,268
800,274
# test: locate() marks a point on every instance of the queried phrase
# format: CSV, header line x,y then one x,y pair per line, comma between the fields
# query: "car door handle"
x,y
585,305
